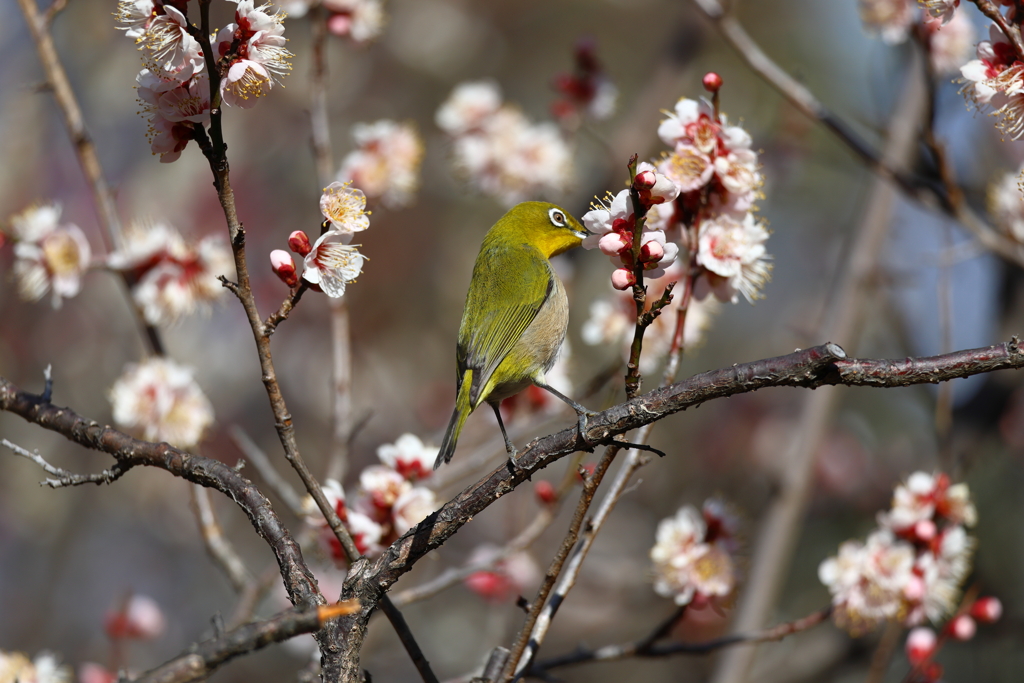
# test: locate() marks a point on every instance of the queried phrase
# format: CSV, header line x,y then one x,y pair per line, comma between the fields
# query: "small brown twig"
x,y
63,477
255,455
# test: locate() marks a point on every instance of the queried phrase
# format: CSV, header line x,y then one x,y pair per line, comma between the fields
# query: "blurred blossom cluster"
x,y
911,567
587,91
1006,205
948,35
159,400
360,20
388,503
995,81
170,276
386,162
174,87
694,555
16,667
499,151
49,256
508,577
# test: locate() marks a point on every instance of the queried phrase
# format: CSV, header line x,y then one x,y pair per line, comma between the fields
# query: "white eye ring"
x,y
557,217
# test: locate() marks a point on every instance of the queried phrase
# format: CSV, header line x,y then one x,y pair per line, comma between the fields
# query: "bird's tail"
x,y
462,410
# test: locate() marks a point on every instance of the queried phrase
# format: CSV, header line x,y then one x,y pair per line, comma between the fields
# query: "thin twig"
x,y
408,640
64,478
219,547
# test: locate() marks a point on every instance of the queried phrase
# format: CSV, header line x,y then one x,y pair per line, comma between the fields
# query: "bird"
x,y
515,317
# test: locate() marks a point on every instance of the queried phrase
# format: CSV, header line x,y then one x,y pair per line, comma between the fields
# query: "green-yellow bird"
x,y
516,315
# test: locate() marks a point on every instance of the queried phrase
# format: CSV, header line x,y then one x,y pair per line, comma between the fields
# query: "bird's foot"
x,y
581,425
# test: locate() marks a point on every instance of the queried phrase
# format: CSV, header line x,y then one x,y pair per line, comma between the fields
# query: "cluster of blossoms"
x,y
45,668
174,87
995,80
388,503
911,567
170,277
587,91
498,150
360,20
1006,205
50,256
949,35
331,262
160,400
693,555
138,617
386,163
699,198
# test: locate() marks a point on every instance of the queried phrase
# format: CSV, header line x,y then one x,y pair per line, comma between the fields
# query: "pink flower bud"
x,y
915,589
652,252
299,243
612,244
339,24
925,530
545,492
645,180
963,627
712,81
284,267
920,645
987,610
623,279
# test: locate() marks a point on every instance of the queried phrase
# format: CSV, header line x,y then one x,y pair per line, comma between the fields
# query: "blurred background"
x,y
69,556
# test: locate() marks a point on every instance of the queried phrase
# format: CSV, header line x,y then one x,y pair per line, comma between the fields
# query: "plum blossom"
x,y
869,581
136,16
332,264
168,49
345,207
409,456
733,254
383,486
411,508
693,555
386,163
255,43
889,19
160,401
498,150
174,110
995,80
587,90
925,496
50,257
171,278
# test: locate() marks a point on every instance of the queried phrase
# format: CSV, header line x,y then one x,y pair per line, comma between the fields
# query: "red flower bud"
x,y
962,627
987,610
712,81
920,645
299,243
284,267
651,252
644,180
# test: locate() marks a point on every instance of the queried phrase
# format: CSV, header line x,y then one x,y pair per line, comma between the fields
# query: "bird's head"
x,y
546,226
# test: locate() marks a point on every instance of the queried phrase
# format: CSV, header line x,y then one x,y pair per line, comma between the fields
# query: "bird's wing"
x,y
509,286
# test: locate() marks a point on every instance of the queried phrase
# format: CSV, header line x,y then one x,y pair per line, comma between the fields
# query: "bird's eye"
x,y
557,217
